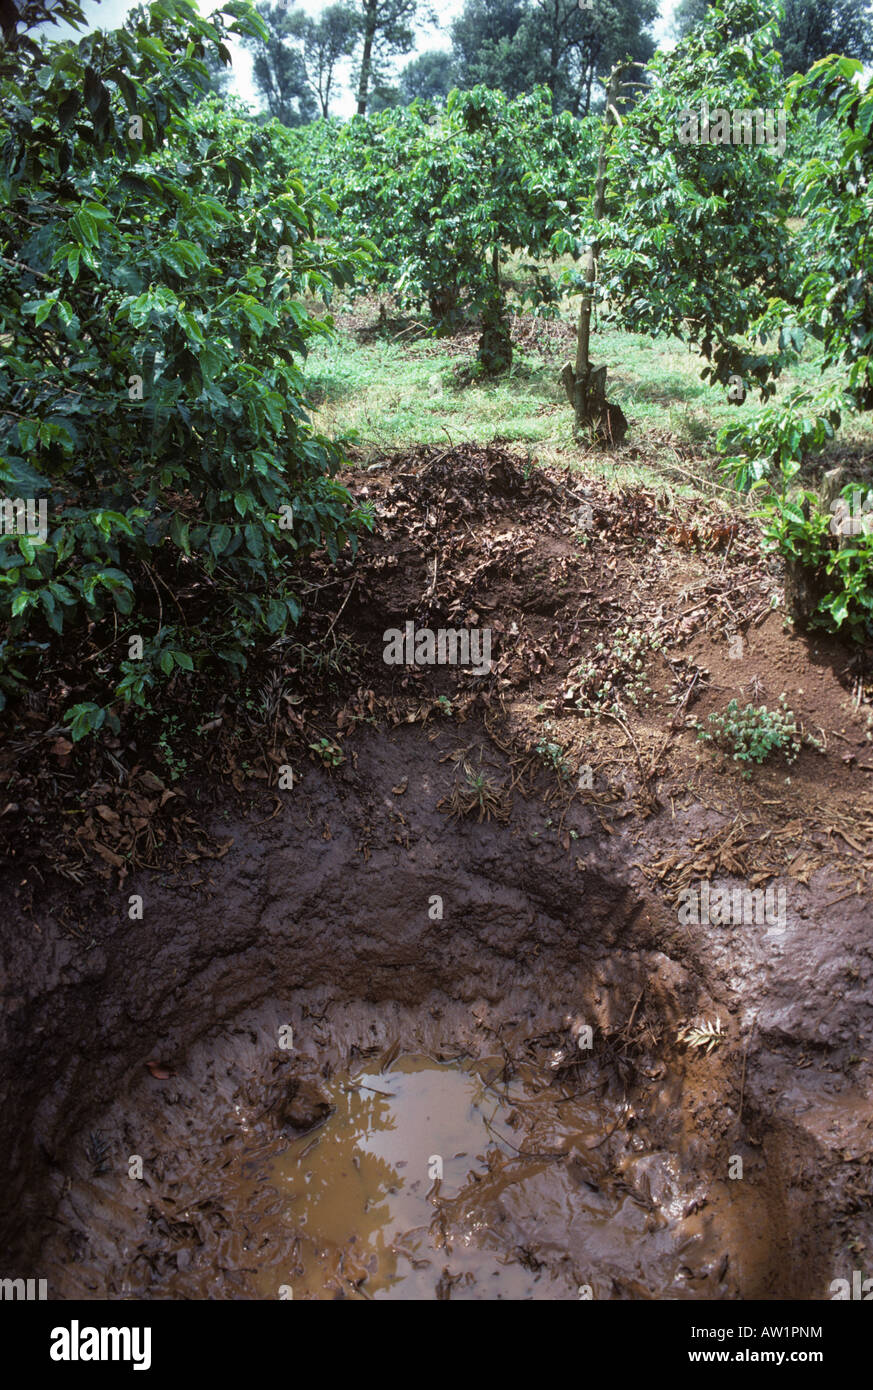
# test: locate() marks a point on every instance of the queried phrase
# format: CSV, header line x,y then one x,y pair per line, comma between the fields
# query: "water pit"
x,y
168,1145
481,1229
155,1139
537,1197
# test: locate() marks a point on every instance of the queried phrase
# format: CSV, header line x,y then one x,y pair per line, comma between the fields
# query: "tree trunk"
x,y
584,383
555,47
366,55
495,344
588,84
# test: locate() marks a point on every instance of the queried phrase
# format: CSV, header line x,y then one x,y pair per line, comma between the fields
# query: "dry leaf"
x,y
107,855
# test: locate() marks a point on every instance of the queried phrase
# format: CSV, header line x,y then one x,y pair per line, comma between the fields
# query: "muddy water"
x,y
368,1191
464,1179
373,1171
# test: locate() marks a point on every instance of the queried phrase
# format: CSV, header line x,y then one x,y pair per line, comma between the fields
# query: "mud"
x,y
427,1180
162,1040
162,1138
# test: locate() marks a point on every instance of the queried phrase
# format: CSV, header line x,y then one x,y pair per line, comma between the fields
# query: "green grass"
x,y
395,396
386,394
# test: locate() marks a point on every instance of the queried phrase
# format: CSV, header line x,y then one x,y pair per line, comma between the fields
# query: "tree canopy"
x,y
808,29
279,69
515,45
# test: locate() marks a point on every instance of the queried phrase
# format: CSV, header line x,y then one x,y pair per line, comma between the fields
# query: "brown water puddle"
x,y
373,1192
377,1221
427,1180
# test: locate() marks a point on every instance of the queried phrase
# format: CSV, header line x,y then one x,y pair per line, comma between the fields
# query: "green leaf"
x,y
21,601
255,541
220,539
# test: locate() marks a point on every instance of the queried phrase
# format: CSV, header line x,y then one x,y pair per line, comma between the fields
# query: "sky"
x,y
110,14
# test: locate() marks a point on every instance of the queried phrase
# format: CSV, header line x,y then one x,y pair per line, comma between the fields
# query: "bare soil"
x,y
560,902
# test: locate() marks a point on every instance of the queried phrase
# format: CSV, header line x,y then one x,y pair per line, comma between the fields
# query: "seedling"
x,y
752,734
330,753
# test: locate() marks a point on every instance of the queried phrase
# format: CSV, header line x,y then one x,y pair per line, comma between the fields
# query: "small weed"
x,y
171,737
475,794
615,671
326,665
752,734
330,753
552,755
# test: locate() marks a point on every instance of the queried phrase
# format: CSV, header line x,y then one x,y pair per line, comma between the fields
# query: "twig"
x,y
624,726
148,571
852,893
20,265
341,607
727,552
523,1153
745,1056
698,479
170,592
595,1144
672,729
633,1012
409,328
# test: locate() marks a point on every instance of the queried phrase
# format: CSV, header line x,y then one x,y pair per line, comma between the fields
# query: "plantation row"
x,y
158,248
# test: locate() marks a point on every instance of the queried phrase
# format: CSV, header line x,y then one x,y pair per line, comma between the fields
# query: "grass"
x,y
393,396
384,394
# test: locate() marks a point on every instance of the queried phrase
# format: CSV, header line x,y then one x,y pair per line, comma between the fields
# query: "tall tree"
x,y
386,29
382,96
220,76
326,40
430,76
493,45
812,29
687,14
581,46
279,71
515,44
808,29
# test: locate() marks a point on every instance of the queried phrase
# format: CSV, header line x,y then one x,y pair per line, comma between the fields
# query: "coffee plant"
x,y
156,249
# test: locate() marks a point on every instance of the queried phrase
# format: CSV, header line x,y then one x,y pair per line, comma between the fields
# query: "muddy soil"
x,y
470,870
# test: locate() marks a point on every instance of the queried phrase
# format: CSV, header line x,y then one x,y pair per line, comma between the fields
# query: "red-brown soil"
x,y
560,900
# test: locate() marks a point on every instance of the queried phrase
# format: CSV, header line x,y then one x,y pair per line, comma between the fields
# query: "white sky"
x,y
110,14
